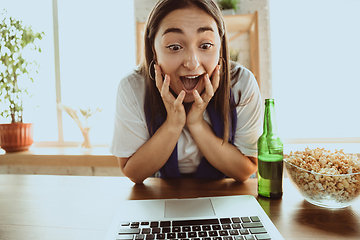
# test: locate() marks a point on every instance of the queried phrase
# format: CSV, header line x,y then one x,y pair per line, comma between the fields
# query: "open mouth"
x,y
190,82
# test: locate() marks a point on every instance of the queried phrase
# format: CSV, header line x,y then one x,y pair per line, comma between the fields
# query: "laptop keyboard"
x,y
236,228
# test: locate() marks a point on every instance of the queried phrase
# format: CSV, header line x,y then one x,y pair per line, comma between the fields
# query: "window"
x,y
96,49
40,108
315,57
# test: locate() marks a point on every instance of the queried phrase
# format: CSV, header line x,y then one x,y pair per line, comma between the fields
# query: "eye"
x,y
206,46
174,47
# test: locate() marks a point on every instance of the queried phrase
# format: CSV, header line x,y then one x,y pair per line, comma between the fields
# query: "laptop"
x,y
212,218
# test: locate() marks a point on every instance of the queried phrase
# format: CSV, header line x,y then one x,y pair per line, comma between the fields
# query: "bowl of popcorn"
x,y
324,178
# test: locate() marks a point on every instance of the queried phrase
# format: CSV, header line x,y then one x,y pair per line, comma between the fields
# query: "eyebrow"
x,y
178,30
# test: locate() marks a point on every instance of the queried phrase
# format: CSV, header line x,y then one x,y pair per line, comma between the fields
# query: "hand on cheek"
x,y
174,107
210,86
195,115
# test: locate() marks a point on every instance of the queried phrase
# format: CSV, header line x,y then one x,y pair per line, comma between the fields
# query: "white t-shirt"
x,y
131,132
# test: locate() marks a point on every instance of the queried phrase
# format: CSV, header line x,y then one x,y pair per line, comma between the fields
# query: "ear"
x,y
154,52
221,63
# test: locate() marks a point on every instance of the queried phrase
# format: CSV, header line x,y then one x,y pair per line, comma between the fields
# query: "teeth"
x,y
192,77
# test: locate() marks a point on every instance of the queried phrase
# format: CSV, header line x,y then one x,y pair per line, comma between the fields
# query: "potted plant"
x,y
14,70
228,7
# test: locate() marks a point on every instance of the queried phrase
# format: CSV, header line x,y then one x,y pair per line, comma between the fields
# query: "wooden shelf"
x,y
247,23
60,156
240,22
60,161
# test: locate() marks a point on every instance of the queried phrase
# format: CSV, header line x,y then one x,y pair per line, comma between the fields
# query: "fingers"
x,y
164,91
207,95
211,86
209,89
163,85
158,77
179,100
198,99
216,78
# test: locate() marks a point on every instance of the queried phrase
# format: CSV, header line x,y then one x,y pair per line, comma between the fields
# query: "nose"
x,y
191,60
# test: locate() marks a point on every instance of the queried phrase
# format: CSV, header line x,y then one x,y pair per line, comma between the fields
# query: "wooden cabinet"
x,y
238,24
246,24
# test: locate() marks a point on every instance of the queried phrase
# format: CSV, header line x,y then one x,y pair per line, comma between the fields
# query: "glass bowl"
x,y
325,190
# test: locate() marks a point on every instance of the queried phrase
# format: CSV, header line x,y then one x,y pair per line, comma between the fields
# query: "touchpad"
x,y
182,208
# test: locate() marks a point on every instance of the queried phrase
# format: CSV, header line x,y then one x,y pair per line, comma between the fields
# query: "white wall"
x,y
315,58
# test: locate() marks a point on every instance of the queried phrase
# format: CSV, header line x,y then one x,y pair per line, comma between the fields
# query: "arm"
x,y
222,155
151,156
154,153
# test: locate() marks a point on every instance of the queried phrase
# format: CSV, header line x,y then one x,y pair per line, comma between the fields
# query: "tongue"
x,y
189,83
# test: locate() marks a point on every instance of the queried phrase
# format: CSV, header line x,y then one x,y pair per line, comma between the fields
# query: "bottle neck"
x,y
270,117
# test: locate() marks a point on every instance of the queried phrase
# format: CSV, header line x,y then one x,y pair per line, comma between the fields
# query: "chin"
x,y
189,98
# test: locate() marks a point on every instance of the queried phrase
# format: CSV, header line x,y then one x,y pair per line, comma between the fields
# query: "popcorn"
x,y
325,176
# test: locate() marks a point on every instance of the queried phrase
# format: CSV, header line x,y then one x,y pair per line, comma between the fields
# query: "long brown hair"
x,y
221,97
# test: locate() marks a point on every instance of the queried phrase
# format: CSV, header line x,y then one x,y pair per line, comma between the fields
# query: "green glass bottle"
x,y
270,156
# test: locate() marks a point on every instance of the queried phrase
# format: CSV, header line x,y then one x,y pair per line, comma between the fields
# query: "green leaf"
x,y
14,37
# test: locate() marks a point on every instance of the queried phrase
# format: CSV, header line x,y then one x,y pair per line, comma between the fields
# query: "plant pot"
x,y
16,137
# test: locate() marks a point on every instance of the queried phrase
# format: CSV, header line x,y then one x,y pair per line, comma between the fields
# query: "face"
x,y
187,46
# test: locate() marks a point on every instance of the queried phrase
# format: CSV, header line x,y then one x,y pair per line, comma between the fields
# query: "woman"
x,y
187,111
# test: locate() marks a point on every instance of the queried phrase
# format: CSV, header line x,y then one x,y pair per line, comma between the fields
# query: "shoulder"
x,y
132,87
242,81
239,73
132,80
